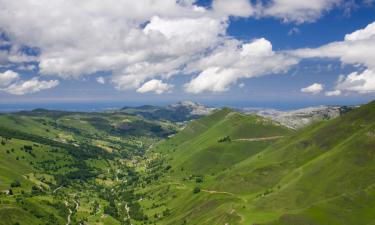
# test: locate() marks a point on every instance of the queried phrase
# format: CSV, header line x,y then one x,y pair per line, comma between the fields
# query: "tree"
x,y
196,190
15,183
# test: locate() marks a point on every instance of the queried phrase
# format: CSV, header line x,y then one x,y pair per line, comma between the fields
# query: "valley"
x,y
185,164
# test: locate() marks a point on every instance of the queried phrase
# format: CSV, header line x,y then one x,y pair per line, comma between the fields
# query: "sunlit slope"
x,y
201,147
322,175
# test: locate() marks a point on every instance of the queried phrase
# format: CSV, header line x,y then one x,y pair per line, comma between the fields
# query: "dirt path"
x,y
127,208
217,192
259,139
54,191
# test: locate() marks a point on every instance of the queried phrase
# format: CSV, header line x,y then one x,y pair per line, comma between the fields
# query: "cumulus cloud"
x,y
104,38
358,48
30,86
361,82
313,89
236,60
298,11
143,40
156,86
333,93
8,77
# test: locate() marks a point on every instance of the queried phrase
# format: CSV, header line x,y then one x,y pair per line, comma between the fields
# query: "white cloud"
x,y
298,11
241,8
233,61
361,82
362,34
358,48
104,38
8,77
143,40
313,89
333,93
212,79
101,80
156,86
30,86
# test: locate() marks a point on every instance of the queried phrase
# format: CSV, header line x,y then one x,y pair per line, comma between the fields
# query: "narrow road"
x,y
70,213
54,191
259,139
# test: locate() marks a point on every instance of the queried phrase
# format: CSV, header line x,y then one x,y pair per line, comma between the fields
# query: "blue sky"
x,y
167,52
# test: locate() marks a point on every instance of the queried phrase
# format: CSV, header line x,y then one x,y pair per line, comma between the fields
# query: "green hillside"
x,y
322,174
57,165
202,148
226,168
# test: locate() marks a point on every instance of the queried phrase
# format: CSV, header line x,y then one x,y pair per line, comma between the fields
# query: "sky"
x,y
264,53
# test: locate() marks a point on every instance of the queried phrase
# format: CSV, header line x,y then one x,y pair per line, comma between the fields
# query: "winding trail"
x,y
127,208
259,139
70,213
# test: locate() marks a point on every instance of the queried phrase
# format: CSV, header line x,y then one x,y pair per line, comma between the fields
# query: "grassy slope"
x,y
196,151
321,175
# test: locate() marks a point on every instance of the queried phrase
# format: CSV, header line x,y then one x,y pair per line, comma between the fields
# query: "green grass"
x,y
322,174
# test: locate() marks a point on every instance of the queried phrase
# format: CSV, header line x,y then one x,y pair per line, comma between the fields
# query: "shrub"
x,y
196,190
199,179
225,139
15,183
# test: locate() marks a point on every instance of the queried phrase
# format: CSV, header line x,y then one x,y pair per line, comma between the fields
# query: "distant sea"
x,y
99,107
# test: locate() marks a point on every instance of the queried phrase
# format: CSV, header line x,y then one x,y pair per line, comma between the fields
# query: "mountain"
x,y
220,140
179,112
322,174
226,167
302,117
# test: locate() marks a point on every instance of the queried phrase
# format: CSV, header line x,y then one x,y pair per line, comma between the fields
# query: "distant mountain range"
x,y
299,118
178,112
188,110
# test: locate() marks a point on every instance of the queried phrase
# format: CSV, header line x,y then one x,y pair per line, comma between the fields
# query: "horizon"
x,y
105,106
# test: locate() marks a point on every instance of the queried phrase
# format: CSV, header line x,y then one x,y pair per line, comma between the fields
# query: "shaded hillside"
x,y
179,112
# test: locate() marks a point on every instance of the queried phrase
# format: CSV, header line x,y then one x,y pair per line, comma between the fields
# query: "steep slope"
x,y
322,164
216,142
193,157
323,174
